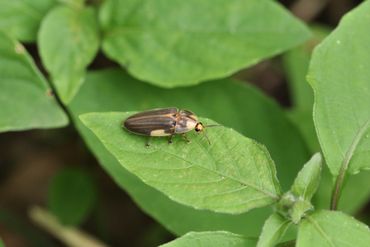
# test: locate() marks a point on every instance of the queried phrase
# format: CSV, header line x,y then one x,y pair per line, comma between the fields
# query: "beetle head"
x,y
199,127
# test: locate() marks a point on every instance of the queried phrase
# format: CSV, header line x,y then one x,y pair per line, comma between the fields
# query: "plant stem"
x,y
337,191
344,167
70,236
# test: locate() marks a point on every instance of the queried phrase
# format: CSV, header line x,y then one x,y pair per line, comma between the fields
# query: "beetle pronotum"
x,y
164,122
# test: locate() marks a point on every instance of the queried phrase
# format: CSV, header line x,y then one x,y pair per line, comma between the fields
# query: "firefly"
x,y
164,122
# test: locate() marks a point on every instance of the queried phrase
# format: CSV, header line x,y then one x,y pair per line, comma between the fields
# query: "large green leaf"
x,y
332,229
273,230
179,43
68,41
215,239
339,75
21,18
232,104
233,174
25,97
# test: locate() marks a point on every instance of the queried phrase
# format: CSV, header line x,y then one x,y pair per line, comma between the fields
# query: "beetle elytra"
x,y
164,122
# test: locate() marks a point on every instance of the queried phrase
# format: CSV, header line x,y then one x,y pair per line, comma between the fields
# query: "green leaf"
x,y
308,179
72,195
25,98
21,18
234,174
339,76
273,230
215,239
181,43
332,229
296,62
68,42
2,243
354,196
239,106
296,202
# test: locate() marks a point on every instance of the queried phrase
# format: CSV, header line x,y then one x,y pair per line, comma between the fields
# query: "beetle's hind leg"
x,y
185,138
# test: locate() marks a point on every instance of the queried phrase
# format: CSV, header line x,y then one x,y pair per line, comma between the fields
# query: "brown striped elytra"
x,y
163,122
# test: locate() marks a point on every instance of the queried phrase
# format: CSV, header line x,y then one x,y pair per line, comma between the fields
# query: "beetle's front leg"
x,y
170,139
185,138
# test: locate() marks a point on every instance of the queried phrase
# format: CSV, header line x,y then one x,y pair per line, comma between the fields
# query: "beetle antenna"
x,y
205,134
212,125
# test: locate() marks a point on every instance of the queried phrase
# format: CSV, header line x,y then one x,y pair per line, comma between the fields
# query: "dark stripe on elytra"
x,y
153,120
162,111
145,126
146,130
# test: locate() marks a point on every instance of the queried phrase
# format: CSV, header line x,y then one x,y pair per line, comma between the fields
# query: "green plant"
x,y
249,186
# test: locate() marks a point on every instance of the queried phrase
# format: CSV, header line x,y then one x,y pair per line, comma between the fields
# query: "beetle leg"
x,y
185,138
147,142
170,139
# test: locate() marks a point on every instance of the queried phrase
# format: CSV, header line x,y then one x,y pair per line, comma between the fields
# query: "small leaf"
x,y
295,203
25,98
21,19
339,74
232,175
72,195
2,243
181,43
228,102
214,239
273,230
332,229
308,179
68,42
299,210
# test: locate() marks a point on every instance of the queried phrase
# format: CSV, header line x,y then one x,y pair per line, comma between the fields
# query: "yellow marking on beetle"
x,y
159,133
194,117
191,124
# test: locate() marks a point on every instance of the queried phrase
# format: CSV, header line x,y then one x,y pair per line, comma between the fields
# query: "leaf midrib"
x,y
352,148
268,193
321,231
